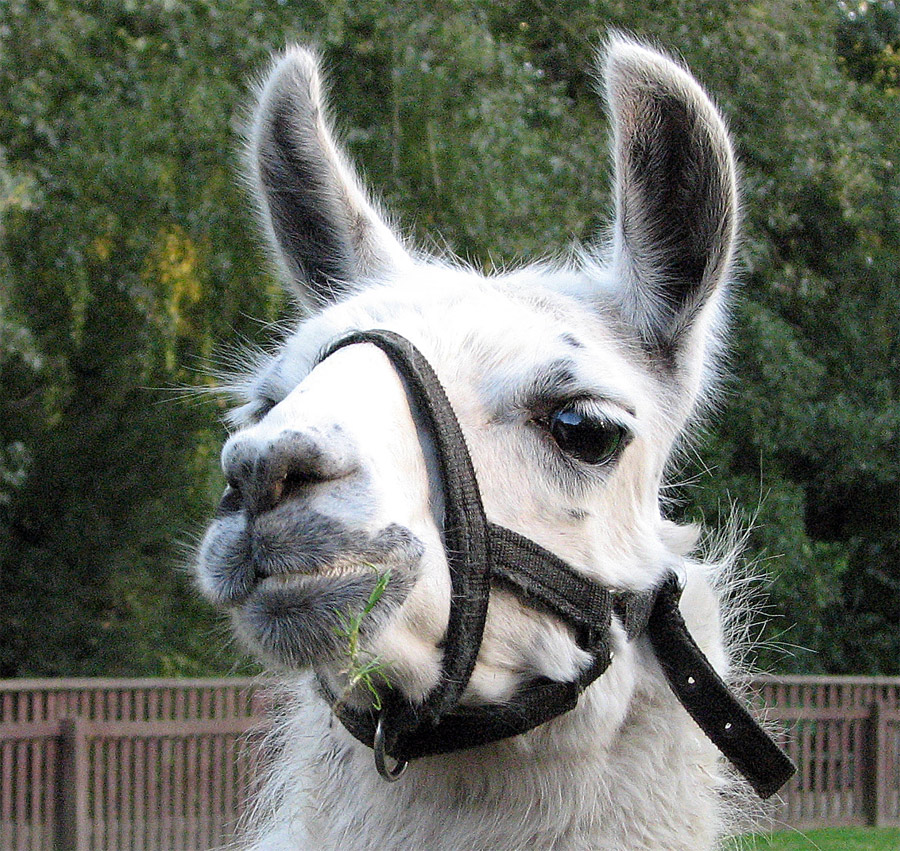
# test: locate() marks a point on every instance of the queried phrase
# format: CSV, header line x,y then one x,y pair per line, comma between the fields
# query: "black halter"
x,y
480,553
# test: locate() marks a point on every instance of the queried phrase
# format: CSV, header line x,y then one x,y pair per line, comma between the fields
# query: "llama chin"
x,y
572,384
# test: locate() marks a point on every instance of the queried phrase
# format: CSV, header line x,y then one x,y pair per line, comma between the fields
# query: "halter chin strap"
x,y
480,553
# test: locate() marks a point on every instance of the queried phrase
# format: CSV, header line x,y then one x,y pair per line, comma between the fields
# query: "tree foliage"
x,y
129,251
868,43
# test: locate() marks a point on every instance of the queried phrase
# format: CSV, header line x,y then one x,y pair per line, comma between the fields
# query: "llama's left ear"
x,y
326,234
676,203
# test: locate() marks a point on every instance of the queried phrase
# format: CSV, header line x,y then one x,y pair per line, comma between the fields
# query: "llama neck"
x,y
572,784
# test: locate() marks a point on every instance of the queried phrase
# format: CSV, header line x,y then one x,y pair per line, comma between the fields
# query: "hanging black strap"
x,y
479,553
708,699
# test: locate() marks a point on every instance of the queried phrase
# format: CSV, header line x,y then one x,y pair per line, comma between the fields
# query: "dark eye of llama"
x,y
586,437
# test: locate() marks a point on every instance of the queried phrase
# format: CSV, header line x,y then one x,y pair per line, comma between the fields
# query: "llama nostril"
x,y
265,473
231,500
288,485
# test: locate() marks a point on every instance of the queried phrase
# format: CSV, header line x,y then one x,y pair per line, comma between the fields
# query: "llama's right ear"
x,y
676,203
327,235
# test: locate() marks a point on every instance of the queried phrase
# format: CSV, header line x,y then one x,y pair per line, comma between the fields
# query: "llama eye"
x,y
588,438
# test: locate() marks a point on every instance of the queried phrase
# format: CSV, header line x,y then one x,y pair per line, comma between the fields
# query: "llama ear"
x,y
676,199
327,235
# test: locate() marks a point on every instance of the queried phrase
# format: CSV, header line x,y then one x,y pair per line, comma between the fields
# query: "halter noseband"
x,y
480,553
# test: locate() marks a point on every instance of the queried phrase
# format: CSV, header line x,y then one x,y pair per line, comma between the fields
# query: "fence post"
x,y
879,781
72,787
874,777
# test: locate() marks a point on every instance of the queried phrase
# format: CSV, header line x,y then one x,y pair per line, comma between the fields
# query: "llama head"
x,y
572,383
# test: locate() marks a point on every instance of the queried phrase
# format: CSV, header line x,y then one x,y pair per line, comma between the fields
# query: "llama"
x,y
483,585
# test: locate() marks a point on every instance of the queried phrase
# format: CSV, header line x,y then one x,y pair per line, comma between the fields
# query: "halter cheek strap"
x,y
480,554
465,536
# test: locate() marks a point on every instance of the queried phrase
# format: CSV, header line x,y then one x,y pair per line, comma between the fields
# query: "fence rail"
x,y
167,765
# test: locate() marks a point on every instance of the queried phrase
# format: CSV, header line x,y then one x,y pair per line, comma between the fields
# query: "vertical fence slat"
x,y
846,776
111,816
125,782
98,808
140,800
165,796
6,794
6,706
180,817
231,769
37,794
153,824
879,735
21,793
193,783
51,760
819,756
204,791
862,761
219,760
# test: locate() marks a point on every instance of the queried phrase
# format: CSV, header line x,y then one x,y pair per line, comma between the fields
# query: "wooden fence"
x,y
167,765
843,734
124,765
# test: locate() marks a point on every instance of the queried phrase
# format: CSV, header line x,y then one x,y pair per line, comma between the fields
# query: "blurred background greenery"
x,y
129,265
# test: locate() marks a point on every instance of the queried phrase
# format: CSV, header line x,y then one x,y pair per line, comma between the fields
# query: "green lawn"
x,y
835,839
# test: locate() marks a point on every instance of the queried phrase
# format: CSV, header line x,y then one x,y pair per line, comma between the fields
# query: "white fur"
x,y
627,769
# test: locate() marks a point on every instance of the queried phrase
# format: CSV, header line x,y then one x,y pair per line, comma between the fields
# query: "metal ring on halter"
x,y
387,773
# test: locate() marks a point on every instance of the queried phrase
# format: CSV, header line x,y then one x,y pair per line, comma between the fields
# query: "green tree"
x,y
129,259
868,42
128,251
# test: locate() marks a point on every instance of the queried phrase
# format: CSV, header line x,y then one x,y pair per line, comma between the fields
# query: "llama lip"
x,y
295,608
240,559
296,620
296,579
323,548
